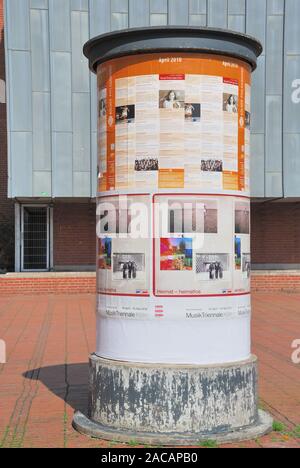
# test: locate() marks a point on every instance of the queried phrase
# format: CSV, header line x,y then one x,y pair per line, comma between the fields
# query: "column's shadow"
x,y
67,381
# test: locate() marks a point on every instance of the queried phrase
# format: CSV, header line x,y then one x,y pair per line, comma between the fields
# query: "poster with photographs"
x,y
242,245
174,131
214,267
124,254
176,254
246,265
242,218
192,215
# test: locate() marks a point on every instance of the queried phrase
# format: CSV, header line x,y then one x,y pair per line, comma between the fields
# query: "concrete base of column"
x,y
173,405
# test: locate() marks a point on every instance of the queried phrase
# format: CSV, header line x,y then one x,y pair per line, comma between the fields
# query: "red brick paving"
x,y
50,337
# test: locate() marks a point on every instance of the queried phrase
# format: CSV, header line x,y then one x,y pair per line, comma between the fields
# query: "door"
x,y
35,238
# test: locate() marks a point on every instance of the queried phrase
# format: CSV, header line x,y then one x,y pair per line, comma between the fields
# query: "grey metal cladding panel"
x,y
178,12
81,184
60,25
159,6
237,23
292,94
256,19
274,184
291,165
258,97
217,13
273,133
158,19
198,20
94,173
39,21
41,132
81,132
42,184
139,13
198,7
61,91
80,5
275,7
99,17
80,35
257,165
20,91
43,4
236,7
21,164
62,165
274,55
17,23
94,103
119,6
292,27
119,21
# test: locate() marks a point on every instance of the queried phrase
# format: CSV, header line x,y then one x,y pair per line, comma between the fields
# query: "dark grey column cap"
x,y
172,39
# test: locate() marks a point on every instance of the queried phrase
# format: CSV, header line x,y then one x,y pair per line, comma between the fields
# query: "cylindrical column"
x,y
173,228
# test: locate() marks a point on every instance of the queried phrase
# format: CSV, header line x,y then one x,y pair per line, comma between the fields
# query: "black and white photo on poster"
x,y
242,218
246,265
128,266
230,103
192,112
171,99
211,165
125,114
192,216
146,164
212,266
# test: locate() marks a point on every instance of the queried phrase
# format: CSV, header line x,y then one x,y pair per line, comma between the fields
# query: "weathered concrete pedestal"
x,y
173,405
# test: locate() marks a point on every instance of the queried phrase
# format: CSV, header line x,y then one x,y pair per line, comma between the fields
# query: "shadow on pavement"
x,y
67,381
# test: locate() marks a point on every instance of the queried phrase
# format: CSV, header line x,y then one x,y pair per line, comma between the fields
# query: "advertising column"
x,y
173,235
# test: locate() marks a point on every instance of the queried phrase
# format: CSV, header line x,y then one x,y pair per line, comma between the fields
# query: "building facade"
x,y
49,168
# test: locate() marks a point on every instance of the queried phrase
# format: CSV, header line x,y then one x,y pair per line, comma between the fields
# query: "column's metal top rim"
x,y
172,39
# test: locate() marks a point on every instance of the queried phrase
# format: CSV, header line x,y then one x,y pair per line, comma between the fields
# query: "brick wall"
x,y
74,233
276,233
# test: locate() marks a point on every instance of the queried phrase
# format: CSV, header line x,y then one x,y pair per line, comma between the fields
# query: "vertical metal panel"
x,y
198,20
94,103
19,64
80,5
257,165
62,165
94,172
17,23
291,103
273,184
42,184
159,6
81,184
256,19
41,132
61,91
60,25
99,17
258,97
292,29
274,133
158,19
81,132
274,55
43,4
119,21
139,13
275,7
291,165
119,6
21,166
80,35
236,7
237,23
198,7
178,12
217,13
40,50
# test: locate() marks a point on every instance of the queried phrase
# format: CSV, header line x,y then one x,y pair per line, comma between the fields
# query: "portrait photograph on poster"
x,y
212,266
211,165
246,265
104,253
102,107
238,252
247,120
125,114
128,266
230,103
176,254
171,99
193,216
146,164
192,112
242,218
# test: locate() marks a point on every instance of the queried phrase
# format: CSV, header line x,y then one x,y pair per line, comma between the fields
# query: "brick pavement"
x,y
49,338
